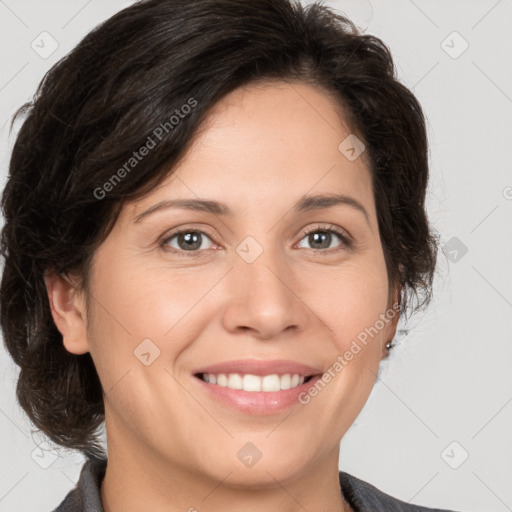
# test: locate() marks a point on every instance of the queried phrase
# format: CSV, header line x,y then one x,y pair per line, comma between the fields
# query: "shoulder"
x,y
86,496
364,497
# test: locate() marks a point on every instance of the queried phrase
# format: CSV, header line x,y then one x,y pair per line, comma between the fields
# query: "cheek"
x,y
134,303
350,298
137,333
350,306
150,300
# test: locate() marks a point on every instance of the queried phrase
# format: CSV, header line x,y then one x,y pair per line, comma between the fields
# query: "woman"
x,y
213,221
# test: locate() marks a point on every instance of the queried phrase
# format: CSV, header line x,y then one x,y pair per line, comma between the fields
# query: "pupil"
x,y
317,238
191,239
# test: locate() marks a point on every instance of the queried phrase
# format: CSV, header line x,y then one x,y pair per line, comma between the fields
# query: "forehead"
x,y
267,142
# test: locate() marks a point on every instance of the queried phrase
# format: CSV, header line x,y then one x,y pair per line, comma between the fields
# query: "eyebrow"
x,y
304,204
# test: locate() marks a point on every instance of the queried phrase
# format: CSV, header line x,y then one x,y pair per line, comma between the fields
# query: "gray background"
x,y
446,393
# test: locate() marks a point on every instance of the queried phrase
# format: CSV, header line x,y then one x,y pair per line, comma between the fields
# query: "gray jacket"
x,y
362,496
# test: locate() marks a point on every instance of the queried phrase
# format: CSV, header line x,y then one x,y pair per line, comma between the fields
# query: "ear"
x,y
68,311
392,316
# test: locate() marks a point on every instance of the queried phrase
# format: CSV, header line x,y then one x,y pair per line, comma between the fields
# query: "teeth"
x,y
254,382
286,381
235,381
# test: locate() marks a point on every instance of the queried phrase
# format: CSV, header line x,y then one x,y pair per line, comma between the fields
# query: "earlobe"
x,y
392,316
68,312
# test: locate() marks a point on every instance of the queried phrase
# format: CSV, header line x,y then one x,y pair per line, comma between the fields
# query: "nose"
x,y
264,297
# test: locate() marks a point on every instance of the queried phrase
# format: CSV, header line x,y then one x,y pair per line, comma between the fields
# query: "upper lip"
x,y
260,367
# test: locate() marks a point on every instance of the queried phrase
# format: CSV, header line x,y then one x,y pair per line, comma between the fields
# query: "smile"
x,y
255,383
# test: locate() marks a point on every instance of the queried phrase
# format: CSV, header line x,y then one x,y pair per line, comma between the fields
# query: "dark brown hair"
x,y
136,72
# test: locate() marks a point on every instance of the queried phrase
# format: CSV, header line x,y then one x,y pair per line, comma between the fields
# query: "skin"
x,y
171,447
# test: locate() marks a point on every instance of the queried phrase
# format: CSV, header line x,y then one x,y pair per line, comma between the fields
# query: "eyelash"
x,y
345,239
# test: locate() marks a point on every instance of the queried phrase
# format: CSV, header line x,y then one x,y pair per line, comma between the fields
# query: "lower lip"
x,y
256,402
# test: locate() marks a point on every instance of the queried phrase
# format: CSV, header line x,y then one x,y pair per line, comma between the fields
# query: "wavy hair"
x,y
100,102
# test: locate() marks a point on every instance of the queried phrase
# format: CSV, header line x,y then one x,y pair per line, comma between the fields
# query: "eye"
x,y
186,240
321,237
192,241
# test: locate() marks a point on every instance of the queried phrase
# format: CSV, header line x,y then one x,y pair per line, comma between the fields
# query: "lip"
x,y
260,367
257,402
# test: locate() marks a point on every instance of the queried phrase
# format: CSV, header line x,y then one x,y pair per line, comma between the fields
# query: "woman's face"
x,y
243,287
